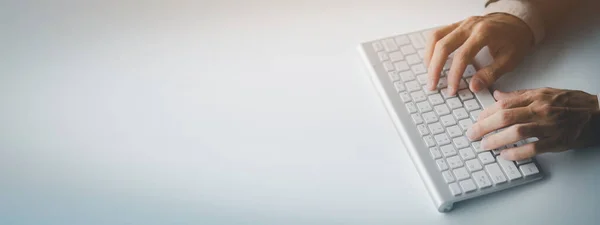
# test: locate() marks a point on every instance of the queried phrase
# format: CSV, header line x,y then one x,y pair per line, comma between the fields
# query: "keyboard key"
x,y
429,141
428,92
405,97
408,49
444,93
454,103
401,66
377,46
402,40
418,96
436,128
475,114
430,117
468,80
396,56
477,146
441,139
473,165
454,189
413,59
524,161
394,76
466,153
406,76
447,64
467,185
413,86
442,110
382,56
494,171
422,79
496,151
461,173
399,86
460,113
482,179
411,107
465,94
441,163
390,45
469,71
448,120
509,168
448,150
471,105
460,142
419,69
454,131
421,53
448,176
465,124
422,129
388,66
424,107
529,169
442,83
436,99
454,162
486,157
435,153
417,118
417,40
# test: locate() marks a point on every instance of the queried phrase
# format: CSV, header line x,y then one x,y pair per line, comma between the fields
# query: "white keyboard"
x,y
433,124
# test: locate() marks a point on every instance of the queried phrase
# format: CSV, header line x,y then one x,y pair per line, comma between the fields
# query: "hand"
x,y
507,37
560,119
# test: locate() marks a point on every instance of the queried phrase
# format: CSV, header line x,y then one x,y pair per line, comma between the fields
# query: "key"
x,y
422,79
482,179
390,45
402,40
406,76
413,86
394,76
454,103
429,141
475,114
377,46
467,185
428,92
454,162
448,120
382,56
447,64
430,117
445,93
424,107
454,131
436,128
465,124
421,53
405,97
419,69
442,110
448,150
529,169
442,83
466,153
399,86
485,98
411,107
413,59
471,105
408,49
509,168
454,189
465,94
388,66
418,96
435,153
462,85
473,165
436,99
441,139
448,176
486,157
468,80
417,40
441,163
396,56
461,173
460,142
494,171
401,66
477,146
422,129
524,161
417,118
460,113
469,71
496,151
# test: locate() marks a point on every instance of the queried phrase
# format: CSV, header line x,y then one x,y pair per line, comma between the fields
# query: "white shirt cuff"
x,y
523,10
598,100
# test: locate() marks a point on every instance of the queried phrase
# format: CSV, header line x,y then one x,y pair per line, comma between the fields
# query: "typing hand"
x,y
560,119
507,37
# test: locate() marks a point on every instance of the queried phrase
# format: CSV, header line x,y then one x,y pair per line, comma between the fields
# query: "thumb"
x,y
488,75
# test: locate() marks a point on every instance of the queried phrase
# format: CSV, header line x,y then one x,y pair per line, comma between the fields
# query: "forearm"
x,y
553,11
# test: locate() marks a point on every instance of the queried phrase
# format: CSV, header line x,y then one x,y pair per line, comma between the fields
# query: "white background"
x,y
244,112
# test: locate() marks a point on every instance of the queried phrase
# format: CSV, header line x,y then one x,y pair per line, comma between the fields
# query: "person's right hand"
x,y
507,37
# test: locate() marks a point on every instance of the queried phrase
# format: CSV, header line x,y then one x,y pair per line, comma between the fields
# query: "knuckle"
x,y
482,27
442,47
503,104
472,19
437,34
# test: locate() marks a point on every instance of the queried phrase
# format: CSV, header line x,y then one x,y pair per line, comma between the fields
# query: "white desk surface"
x,y
243,112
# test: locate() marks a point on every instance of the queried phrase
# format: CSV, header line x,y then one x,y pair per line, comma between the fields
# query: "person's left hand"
x,y
560,119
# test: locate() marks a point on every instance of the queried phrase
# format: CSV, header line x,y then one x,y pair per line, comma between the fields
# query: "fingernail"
x,y
504,155
451,91
470,134
483,144
430,86
477,84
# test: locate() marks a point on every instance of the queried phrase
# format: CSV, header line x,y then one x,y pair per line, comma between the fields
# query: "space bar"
x,y
485,98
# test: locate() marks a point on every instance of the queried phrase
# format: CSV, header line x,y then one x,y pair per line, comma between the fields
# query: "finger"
x,y
435,36
529,150
499,95
488,75
498,120
467,52
442,49
511,135
507,103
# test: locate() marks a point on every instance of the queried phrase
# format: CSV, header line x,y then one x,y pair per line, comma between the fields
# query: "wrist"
x,y
523,10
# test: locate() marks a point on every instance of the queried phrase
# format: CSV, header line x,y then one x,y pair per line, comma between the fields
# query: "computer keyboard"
x,y
432,124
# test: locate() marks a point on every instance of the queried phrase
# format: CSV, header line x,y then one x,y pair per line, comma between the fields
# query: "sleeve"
x,y
598,100
521,9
